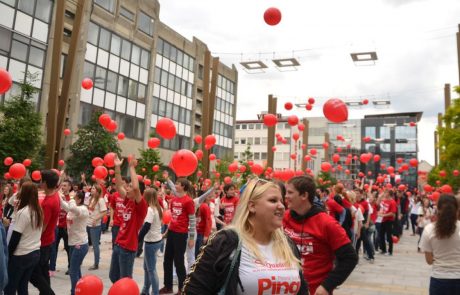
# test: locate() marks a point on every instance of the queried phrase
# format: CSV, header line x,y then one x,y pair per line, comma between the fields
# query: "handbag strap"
x,y
236,255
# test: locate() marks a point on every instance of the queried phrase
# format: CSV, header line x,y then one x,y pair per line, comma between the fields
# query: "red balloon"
x,y
87,83
36,175
112,126
167,216
307,158
402,187
412,124
335,158
242,168
184,162
293,120
111,172
311,100
391,170
308,107
56,171
140,178
8,161
100,172
121,136
303,146
273,148
288,106
428,188
17,171
272,16
155,168
376,158
335,110
347,172
257,169
395,239
442,173
293,156
228,180
125,286
413,162
109,159
153,142
27,162
399,160
295,136
67,132
365,101
61,162
96,161
199,154
446,189
301,127
435,196
104,120
325,145
313,152
210,140
339,149
270,120
89,284
7,176
364,158
456,173
326,166
147,182
166,128
5,81
212,157
233,167
198,139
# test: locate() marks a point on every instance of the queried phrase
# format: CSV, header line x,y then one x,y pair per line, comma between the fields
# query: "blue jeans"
x,y
122,263
198,244
150,268
115,229
60,233
20,270
95,234
444,286
77,254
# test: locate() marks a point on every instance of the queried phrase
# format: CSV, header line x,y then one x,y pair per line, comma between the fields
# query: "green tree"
x,y
325,180
246,156
21,125
149,158
93,141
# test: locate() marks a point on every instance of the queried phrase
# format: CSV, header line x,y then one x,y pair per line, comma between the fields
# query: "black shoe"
x,y
67,273
94,267
139,253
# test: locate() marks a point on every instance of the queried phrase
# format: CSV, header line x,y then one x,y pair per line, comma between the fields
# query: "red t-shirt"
x,y
374,212
317,238
181,208
133,217
229,205
365,205
204,220
333,207
62,221
51,207
117,203
387,206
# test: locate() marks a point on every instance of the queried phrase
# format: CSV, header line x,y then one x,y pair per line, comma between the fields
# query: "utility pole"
x,y
436,148
53,99
271,131
305,142
458,52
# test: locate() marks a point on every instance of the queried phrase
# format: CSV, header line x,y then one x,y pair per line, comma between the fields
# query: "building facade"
x,y
142,70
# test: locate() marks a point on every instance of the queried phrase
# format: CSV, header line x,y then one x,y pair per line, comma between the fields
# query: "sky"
x,y
415,41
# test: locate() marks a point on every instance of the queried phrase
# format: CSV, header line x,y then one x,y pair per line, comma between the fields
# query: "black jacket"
x,y
212,265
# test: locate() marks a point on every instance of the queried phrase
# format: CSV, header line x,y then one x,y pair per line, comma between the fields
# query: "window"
x,y
243,141
250,140
145,23
145,59
250,126
26,6
237,140
36,56
5,36
19,50
237,126
263,156
162,108
257,140
385,132
123,84
43,10
126,13
132,89
135,55
258,126
116,45
104,39
93,33
264,140
256,156
67,32
244,126
112,82
108,5
126,49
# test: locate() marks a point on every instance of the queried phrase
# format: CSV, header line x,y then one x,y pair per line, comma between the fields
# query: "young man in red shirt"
x,y
229,202
388,210
116,204
51,207
319,238
133,214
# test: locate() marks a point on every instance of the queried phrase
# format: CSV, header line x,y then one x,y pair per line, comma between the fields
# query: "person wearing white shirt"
x,y
97,210
441,243
77,218
24,246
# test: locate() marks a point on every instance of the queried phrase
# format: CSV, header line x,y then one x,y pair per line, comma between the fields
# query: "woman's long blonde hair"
x,y
242,225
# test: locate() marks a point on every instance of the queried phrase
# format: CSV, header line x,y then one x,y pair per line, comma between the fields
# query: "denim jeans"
x,y
77,254
150,269
60,233
115,229
95,233
122,263
444,286
176,244
40,276
20,270
198,244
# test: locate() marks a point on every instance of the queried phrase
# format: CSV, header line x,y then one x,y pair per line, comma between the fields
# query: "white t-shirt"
x,y
30,237
425,217
154,233
77,218
446,252
415,207
358,217
269,277
95,212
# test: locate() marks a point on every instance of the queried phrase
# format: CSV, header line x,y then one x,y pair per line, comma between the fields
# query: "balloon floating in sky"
x,y
87,83
335,110
184,162
272,16
165,128
5,81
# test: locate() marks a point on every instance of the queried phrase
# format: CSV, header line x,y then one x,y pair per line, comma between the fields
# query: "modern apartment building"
x,y
142,69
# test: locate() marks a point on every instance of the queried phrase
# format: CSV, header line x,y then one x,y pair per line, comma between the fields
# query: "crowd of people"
x,y
263,237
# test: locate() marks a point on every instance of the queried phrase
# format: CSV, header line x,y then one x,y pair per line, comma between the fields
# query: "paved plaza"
x,y
403,273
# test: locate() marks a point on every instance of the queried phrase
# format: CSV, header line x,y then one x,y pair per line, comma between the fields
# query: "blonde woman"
x,y
97,210
252,255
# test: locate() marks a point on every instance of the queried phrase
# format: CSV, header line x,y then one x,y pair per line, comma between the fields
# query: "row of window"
x,y
224,106
177,143
132,127
171,52
169,110
118,46
144,21
226,84
223,129
173,82
251,140
40,9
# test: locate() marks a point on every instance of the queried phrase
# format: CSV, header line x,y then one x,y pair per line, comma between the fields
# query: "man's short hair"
x,y
50,178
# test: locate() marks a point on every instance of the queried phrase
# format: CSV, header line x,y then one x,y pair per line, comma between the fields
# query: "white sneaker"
x,y
160,254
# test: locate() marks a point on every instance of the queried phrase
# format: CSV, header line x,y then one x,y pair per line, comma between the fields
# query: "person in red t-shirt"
x,y
116,204
319,238
133,214
388,210
204,224
61,231
229,202
51,207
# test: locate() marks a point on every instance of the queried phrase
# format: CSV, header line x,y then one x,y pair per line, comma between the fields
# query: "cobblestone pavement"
x,y
403,273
